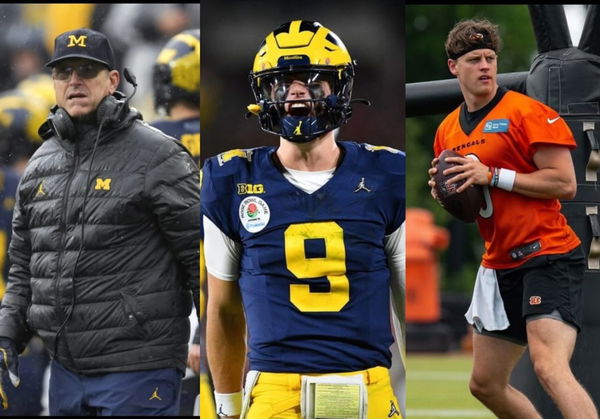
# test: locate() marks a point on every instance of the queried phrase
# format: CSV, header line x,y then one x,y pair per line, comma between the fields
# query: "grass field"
x,y
437,386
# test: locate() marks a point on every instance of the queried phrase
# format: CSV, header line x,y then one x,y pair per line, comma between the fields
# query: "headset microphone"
x,y
129,77
132,81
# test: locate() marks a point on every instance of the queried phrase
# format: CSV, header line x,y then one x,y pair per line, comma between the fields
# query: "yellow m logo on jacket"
x,y
102,184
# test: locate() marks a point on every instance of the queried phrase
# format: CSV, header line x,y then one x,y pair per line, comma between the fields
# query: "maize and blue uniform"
x,y
314,275
185,130
8,187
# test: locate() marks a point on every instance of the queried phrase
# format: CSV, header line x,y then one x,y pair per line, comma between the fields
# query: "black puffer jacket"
x,y
131,291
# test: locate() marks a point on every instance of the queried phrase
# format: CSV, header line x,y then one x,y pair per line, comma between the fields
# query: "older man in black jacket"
x,y
105,247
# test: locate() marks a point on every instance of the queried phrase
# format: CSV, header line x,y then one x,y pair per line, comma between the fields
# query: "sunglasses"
x,y
84,71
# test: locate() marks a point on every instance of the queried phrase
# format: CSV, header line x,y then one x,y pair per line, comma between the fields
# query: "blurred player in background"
x,y
176,82
302,244
22,111
528,288
140,31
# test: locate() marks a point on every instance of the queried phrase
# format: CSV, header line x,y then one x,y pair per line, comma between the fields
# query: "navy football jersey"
x,y
8,188
185,130
314,277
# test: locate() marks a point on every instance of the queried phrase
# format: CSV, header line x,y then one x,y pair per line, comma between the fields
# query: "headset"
x,y
59,122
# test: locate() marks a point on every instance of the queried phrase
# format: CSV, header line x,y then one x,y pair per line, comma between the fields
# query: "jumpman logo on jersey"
x,y
361,186
155,395
297,130
393,410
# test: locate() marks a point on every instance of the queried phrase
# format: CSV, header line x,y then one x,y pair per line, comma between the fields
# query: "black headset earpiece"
x,y
108,112
61,123
110,109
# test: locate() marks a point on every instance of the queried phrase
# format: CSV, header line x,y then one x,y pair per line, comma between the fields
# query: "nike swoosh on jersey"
x,y
552,121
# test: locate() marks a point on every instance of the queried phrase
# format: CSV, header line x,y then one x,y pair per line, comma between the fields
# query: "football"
x,y
465,205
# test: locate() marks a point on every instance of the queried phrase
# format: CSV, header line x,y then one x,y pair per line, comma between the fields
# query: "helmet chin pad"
x,y
323,116
300,129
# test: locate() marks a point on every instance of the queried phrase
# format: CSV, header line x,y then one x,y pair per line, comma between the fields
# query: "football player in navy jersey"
x,y
176,83
302,244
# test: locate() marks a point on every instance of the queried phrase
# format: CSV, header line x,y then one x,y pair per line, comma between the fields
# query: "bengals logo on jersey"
x,y
535,300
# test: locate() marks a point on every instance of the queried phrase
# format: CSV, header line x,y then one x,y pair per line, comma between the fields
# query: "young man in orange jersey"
x,y
528,288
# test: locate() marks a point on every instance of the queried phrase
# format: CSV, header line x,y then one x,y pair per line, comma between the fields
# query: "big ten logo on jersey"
x,y
250,189
192,143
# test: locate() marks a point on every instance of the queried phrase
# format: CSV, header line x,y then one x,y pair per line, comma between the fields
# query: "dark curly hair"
x,y
471,34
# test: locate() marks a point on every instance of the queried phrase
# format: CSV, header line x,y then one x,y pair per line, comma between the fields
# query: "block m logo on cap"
x,y
77,41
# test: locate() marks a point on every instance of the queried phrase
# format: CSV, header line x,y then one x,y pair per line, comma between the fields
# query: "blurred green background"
x,y
438,387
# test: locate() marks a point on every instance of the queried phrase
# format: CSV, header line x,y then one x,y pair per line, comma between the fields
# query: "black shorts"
x,y
540,286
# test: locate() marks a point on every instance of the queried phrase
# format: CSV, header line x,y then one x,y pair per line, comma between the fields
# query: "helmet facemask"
x,y
302,105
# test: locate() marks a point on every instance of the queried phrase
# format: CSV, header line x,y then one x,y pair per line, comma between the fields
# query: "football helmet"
x,y
176,72
302,81
20,116
40,86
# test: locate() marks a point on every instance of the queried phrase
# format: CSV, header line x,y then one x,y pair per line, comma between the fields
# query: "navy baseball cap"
x,y
83,43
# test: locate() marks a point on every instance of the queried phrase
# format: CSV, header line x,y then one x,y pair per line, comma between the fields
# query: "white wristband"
x,y
506,179
228,404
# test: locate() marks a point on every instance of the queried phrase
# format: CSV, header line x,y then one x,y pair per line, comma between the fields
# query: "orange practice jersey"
x,y
507,138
